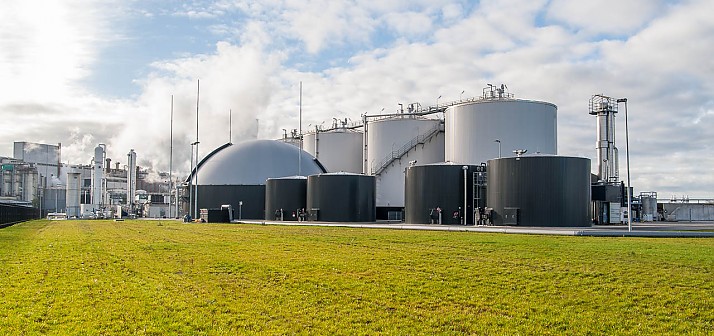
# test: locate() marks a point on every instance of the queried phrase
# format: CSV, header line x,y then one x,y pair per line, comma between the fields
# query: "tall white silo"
x,y
338,150
74,183
485,129
394,142
131,180
98,177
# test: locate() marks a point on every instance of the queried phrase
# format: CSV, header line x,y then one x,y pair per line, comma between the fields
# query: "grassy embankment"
x,y
167,277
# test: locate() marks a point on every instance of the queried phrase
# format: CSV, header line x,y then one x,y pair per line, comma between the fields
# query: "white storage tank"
x,y
475,131
339,150
649,206
392,143
98,176
74,183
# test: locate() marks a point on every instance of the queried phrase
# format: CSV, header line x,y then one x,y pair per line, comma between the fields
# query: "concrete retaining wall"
x,y
688,211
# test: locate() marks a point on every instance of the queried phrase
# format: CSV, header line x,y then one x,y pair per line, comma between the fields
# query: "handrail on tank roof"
x,y
211,154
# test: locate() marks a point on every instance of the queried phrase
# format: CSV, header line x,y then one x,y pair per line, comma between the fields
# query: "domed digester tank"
x,y
341,197
485,129
284,197
437,193
236,174
539,190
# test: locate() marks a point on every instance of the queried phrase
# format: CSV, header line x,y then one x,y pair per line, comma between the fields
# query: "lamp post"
x,y
627,148
461,96
499,147
193,200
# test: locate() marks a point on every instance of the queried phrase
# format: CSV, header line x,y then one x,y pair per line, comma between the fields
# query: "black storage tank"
x,y
341,197
285,197
439,187
539,190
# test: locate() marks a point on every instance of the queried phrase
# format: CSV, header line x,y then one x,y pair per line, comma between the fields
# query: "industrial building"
x,y
36,176
489,160
438,164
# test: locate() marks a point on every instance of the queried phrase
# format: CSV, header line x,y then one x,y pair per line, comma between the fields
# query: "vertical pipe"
x,y
364,143
627,148
300,134
39,192
59,158
317,142
190,184
195,198
463,213
171,156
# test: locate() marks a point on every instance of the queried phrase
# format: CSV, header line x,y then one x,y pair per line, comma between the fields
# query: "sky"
x,y
84,72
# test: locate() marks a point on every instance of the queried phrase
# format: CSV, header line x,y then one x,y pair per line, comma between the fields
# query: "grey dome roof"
x,y
253,162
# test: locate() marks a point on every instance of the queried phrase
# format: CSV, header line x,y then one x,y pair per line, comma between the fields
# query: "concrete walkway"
x,y
653,229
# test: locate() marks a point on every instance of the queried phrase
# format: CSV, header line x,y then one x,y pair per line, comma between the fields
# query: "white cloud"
x,y
605,16
679,42
452,12
410,23
322,23
233,78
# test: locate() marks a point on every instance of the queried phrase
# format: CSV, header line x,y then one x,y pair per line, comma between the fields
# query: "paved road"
x,y
653,229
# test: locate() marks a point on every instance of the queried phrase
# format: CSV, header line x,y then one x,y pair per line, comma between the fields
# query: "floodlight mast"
x,y
627,157
195,198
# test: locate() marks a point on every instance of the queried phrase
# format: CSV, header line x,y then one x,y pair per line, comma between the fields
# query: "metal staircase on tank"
x,y
479,184
420,139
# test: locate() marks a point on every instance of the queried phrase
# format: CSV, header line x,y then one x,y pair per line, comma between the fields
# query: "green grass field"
x,y
149,277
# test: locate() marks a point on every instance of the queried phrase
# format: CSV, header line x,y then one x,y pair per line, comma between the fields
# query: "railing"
x,y
11,214
397,154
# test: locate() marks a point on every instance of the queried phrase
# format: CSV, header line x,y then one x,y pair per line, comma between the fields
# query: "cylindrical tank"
x,y
131,180
97,176
339,150
74,183
391,144
539,190
284,197
437,193
341,197
649,208
476,131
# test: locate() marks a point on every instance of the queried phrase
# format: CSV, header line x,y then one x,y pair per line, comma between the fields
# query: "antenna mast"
x,y
300,135
195,198
171,156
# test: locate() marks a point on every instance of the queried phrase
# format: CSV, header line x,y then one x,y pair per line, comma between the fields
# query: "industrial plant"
x,y
36,178
488,160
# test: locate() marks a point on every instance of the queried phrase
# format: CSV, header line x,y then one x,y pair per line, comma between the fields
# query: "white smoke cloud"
x,y
234,78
